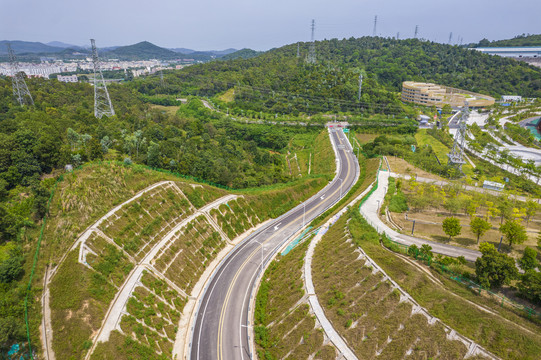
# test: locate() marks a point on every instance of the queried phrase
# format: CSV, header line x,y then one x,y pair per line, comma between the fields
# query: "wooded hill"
x,y
520,40
279,81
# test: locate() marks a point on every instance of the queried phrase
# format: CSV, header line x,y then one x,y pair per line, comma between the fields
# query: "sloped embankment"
x,y
120,291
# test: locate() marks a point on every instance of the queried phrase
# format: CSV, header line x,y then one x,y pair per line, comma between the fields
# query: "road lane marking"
x,y
233,283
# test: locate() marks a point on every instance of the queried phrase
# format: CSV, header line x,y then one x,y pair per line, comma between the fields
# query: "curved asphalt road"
x,y
221,326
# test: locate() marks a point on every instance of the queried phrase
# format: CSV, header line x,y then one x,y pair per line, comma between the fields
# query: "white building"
x,y
513,51
511,98
68,78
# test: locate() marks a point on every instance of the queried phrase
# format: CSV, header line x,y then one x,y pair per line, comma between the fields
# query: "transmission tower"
x,y
20,90
360,84
312,53
375,26
456,156
416,31
162,83
398,36
102,101
298,49
450,38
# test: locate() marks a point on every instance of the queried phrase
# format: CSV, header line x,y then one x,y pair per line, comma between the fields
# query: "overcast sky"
x,y
260,24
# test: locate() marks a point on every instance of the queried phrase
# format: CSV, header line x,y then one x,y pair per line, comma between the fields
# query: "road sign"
x,y
413,148
346,130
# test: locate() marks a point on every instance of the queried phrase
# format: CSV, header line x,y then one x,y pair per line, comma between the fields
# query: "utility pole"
x,y
102,101
450,38
374,32
312,53
416,31
20,90
360,84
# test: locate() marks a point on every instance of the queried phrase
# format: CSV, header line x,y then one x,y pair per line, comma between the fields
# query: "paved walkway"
x,y
370,209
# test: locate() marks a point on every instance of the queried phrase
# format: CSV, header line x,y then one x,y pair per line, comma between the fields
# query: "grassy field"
x,y
170,110
401,166
228,96
365,138
283,323
440,149
323,161
498,329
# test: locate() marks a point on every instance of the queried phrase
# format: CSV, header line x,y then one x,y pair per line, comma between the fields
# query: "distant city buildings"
x,y
429,94
47,68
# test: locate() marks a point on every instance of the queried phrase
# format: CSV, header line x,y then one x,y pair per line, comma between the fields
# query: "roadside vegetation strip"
x,y
34,263
368,309
452,302
284,325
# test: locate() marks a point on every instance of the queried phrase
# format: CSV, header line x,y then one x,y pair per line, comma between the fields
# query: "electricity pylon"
x,y
416,31
360,84
312,52
102,101
20,90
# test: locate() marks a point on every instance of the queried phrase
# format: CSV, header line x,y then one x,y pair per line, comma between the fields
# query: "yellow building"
x,y
437,95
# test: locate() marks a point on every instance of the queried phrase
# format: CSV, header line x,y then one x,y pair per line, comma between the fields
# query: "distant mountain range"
x,y
31,51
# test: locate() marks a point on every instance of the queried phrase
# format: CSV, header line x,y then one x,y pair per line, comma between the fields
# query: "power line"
x,y
20,90
102,101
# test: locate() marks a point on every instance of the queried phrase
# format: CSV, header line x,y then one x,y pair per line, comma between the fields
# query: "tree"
x,y
514,232
529,286
427,250
494,269
452,205
529,259
153,155
73,139
11,269
505,209
479,227
413,250
531,209
451,226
